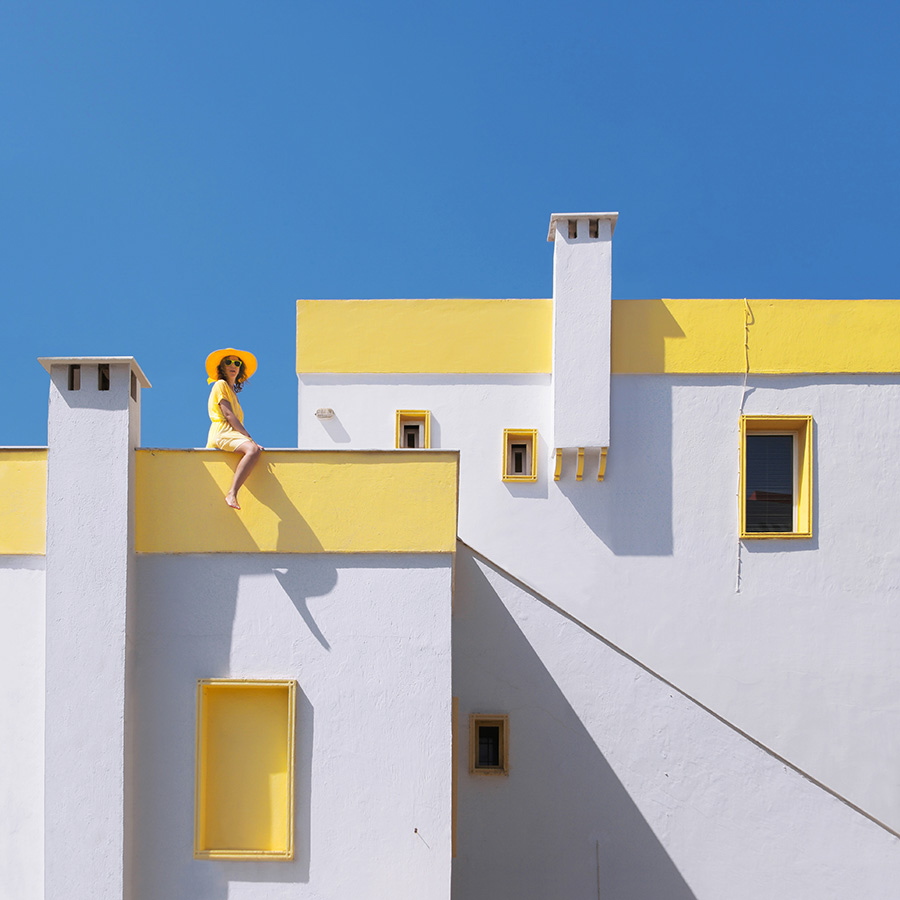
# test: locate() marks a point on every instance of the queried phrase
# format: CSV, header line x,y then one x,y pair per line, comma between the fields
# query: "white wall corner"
x,y
582,309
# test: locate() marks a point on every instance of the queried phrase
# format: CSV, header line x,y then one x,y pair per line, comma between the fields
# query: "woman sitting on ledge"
x,y
229,369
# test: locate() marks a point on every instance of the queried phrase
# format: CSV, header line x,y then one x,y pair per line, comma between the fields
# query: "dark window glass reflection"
x,y
769,483
488,745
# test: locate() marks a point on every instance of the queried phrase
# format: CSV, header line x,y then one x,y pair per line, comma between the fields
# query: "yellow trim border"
x,y
23,487
298,501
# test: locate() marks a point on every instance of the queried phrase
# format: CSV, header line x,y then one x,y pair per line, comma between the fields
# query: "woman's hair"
x,y
238,382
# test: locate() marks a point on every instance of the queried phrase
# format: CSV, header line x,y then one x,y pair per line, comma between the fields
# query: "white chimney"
x,y
582,308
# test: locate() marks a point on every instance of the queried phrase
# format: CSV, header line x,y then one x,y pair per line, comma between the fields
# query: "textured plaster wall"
x,y
622,788
91,434
582,307
367,637
22,727
804,658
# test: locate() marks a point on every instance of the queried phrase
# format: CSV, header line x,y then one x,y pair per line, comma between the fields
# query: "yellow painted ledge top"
x,y
298,501
23,513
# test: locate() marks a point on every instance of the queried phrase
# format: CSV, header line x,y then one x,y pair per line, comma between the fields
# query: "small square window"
x,y
519,459
412,429
776,476
488,745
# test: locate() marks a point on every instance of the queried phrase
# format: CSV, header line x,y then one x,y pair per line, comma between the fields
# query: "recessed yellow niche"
x,y
519,458
412,429
244,804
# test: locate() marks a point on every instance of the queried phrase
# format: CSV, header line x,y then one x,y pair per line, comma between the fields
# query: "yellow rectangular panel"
x,y
436,336
298,501
245,770
782,337
23,514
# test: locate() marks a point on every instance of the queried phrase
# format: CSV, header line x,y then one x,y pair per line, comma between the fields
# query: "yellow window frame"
x,y
477,721
412,417
512,436
801,427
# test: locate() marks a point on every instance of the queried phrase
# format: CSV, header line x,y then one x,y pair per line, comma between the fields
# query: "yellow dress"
x,y
221,435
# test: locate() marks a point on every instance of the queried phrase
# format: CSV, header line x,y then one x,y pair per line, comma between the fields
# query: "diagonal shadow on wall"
x,y
561,824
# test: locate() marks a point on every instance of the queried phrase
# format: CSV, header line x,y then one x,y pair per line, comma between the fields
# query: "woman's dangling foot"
x,y
231,500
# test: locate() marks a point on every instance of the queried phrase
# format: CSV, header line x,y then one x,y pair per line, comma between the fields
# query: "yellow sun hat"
x,y
214,358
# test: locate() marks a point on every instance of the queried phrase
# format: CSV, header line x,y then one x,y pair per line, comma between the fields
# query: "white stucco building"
x,y
556,598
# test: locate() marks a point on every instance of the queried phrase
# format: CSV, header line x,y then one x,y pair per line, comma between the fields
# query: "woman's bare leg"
x,y
249,451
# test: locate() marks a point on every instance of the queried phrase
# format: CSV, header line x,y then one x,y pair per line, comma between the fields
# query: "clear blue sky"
x,y
176,175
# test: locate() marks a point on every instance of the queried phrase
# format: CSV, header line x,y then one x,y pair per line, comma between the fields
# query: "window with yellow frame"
x,y
412,429
519,456
776,477
488,744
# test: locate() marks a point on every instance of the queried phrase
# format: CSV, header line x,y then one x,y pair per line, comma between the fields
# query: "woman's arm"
x,y
232,419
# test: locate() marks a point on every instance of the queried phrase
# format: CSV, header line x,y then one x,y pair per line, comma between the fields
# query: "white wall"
x,y
22,727
368,640
620,787
804,658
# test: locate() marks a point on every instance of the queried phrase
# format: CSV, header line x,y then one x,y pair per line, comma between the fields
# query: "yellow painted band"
x,y
436,336
297,501
648,336
782,337
23,514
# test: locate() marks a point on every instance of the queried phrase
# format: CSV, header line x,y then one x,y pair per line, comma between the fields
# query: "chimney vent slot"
x,y
103,377
573,229
74,378
595,228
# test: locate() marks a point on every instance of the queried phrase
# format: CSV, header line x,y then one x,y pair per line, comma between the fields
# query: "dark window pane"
x,y
518,456
769,483
488,745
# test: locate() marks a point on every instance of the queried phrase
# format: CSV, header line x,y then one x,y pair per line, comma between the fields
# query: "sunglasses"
x,y
228,362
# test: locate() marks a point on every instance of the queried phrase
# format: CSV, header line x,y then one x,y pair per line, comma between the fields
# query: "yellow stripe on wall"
x,y
436,336
297,501
23,512
784,336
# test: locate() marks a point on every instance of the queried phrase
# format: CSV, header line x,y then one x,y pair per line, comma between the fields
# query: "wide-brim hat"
x,y
214,358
